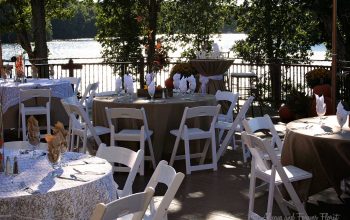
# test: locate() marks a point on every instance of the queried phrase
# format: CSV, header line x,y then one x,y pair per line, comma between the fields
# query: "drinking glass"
x,y
54,161
151,93
341,121
321,112
34,141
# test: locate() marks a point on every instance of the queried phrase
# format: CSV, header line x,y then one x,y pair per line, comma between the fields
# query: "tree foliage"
x,y
278,31
126,28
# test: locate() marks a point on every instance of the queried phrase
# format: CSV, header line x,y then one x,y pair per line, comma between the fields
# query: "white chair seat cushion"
x,y
100,130
193,133
293,174
130,135
34,110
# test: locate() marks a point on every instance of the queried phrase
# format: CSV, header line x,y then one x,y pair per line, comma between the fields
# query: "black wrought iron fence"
x,y
292,75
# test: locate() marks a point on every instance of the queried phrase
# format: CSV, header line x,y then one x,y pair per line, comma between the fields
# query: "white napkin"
x,y
151,88
149,78
183,84
192,82
128,83
320,105
176,79
341,112
118,84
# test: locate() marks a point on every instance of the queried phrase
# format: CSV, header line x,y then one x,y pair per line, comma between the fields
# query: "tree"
x,y
278,31
126,28
29,20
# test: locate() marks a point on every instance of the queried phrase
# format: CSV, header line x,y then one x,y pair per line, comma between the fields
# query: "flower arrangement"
x,y
318,77
160,57
19,66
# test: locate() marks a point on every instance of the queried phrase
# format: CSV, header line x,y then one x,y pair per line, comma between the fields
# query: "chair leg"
x,y
252,190
84,142
150,147
173,154
48,123
213,152
187,156
142,165
205,150
24,127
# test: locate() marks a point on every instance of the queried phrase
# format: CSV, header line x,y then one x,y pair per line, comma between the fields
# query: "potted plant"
x,y
319,81
296,106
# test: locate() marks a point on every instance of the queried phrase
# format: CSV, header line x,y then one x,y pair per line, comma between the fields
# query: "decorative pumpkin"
x,y
286,115
169,83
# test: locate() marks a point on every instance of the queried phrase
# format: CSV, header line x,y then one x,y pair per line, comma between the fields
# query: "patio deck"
x,y
223,195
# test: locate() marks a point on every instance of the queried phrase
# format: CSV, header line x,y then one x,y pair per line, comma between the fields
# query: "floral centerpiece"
x,y
19,67
318,77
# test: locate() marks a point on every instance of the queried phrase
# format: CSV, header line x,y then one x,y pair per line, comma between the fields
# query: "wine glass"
x,y
321,112
151,93
341,121
33,140
54,160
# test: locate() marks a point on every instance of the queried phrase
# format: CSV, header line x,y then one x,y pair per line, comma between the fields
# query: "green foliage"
x,y
277,30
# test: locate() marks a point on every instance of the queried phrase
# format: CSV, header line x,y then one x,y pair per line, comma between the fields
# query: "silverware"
x,y
27,189
72,177
88,172
91,162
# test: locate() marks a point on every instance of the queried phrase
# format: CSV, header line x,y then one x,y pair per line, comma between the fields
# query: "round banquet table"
x,y
321,150
9,91
162,115
36,194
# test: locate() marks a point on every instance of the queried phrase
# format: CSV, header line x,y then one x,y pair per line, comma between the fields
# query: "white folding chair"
x,y
275,175
34,110
187,133
167,175
130,207
264,124
80,126
232,128
88,96
75,81
129,158
141,135
227,97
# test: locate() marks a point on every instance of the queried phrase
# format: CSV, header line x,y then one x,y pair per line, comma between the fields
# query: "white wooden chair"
x,y
264,124
129,158
88,96
129,207
228,97
34,110
75,81
274,175
80,126
231,128
167,175
141,135
187,133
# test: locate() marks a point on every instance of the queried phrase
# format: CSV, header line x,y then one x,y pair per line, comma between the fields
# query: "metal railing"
x,y
292,75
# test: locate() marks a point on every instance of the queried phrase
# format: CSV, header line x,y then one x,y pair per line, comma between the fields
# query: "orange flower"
x,y
139,18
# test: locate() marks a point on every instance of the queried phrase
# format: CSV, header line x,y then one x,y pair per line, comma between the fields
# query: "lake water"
x,y
86,49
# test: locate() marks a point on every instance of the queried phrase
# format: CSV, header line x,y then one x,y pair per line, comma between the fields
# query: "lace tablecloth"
x,y
10,90
36,194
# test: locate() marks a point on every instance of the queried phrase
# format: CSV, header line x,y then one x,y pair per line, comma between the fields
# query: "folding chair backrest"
x,y
257,149
127,113
167,175
230,97
125,157
89,93
34,93
75,81
135,204
263,123
200,111
76,109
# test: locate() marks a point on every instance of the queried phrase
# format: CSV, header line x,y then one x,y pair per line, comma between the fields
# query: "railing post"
x,y
275,75
141,67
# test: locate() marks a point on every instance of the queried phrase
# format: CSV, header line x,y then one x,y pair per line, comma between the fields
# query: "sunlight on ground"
x,y
229,166
195,195
223,215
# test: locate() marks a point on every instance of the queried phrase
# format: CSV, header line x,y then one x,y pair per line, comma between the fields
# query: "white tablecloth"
x,y
9,91
55,198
